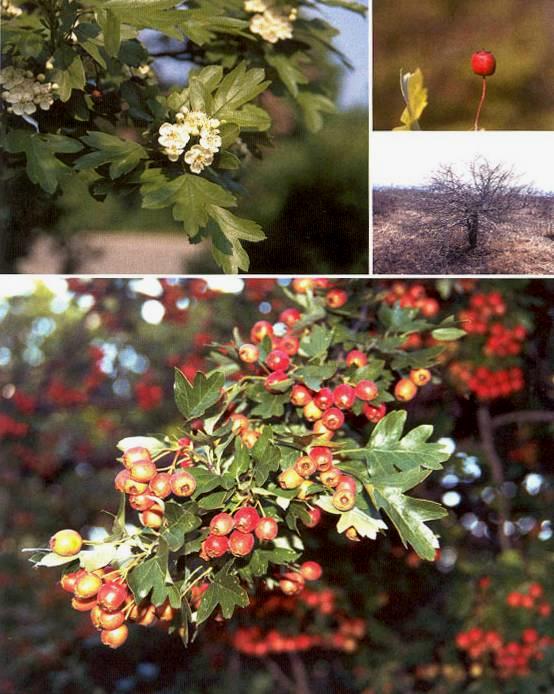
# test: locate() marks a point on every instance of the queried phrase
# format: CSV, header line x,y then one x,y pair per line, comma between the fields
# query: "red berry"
x,y
335,298
483,63
137,454
405,390
311,570
249,353
66,543
366,390
290,316
333,418
87,585
114,637
246,519
112,596
215,546
143,471
260,330
324,398
344,396
266,529
300,395
315,517
183,483
356,358
273,381
277,360
222,524
241,543
160,485
322,457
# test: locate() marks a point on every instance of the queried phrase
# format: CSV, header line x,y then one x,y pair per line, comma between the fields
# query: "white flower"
x,y
272,25
210,139
172,135
10,10
11,76
255,6
198,158
173,153
195,121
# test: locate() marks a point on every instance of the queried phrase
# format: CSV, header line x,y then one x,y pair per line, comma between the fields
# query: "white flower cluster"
x,y
271,23
174,137
9,9
24,92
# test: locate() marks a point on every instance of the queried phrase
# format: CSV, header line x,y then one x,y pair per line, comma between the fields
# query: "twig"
x,y
486,429
279,676
483,96
522,417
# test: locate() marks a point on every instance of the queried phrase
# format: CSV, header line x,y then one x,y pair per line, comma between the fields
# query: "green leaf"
x,y
227,249
241,460
347,5
415,96
313,105
205,480
238,87
288,69
364,524
69,73
152,445
180,521
387,450
448,334
269,404
418,359
266,456
316,342
122,155
43,167
409,516
99,556
111,28
151,576
313,376
249,118
53,559
225,592
401,320
213,501
194,399
192,197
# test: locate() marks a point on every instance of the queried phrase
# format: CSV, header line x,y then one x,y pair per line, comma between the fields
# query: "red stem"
x,y
483,96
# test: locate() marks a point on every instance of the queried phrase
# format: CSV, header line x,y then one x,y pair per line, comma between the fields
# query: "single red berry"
x,y
266,529
324,398
182,483
112,596
315,517
246,519
344,396
114,637
215,546
300,395
483,63
222,524
311,570
277,360
356,358
366,390
273,381
290,316
249,353
260,330
322,457
333,418
241,544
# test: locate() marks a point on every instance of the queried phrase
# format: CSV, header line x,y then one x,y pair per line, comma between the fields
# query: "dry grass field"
x,y
404,241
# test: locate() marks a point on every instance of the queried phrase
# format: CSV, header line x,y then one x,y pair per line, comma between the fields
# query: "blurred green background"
x,y
84,363
439,36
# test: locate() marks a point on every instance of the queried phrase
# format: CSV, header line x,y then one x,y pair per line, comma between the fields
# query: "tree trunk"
x,y
472,229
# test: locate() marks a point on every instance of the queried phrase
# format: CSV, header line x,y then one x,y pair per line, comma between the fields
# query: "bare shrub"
x,y
490,196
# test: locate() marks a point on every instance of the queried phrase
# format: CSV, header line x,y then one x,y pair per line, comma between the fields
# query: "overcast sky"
x,y
408,158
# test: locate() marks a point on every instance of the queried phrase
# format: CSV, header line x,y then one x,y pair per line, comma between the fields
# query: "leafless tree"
x,y
478,202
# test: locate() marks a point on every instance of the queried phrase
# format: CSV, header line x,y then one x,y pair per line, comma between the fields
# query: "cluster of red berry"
x,y
11,427
485,383
343,635
531,599
412,296
482,309
509,658
105,595
148,395
146,484
503,341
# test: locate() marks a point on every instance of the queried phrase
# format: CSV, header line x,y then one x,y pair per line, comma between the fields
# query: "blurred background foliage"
x,y
84,363
439,37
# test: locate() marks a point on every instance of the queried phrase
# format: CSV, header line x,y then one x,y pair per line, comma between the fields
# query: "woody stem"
x,y
483,96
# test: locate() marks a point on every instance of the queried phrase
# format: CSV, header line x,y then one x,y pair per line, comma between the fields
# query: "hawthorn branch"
x,y
486,433
523,417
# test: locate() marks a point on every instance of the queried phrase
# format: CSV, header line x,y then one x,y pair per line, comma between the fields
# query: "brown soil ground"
x,y
404,244
127,253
